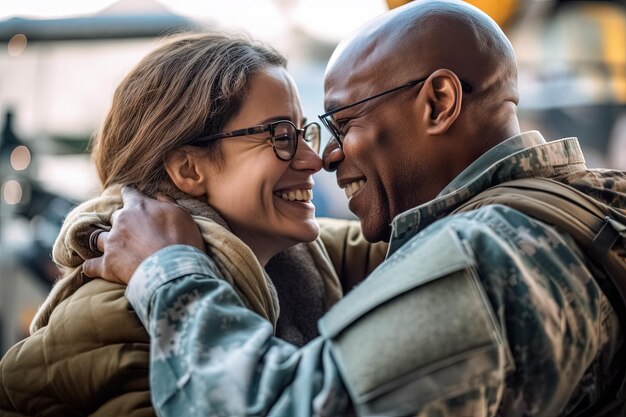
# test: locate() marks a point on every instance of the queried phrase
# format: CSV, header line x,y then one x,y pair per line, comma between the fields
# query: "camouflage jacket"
x,y
482,313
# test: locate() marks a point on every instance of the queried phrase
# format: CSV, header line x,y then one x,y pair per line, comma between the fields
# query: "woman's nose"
x,y
332,155
306,158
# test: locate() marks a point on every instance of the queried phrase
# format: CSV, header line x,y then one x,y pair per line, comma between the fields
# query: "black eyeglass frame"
x,y
325,118
267,127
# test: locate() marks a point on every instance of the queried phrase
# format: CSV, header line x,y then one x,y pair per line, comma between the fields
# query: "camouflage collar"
x,y
522,156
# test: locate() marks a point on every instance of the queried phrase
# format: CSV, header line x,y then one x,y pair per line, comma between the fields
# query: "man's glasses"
x,y
283,135
335,130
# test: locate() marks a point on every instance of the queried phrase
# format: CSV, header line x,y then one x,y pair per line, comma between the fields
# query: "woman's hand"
x,y
139,229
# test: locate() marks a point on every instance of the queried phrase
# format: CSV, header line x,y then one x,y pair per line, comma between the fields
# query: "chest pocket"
x,y
419,328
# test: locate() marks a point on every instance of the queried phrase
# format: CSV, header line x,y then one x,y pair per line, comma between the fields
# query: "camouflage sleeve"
x,y
557,321
211,356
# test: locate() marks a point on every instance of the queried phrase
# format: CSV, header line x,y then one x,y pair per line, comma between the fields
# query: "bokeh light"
x,y
20,158
12,192
17,45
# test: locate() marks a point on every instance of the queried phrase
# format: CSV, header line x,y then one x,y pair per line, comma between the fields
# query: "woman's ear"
x,y
443,99
183,168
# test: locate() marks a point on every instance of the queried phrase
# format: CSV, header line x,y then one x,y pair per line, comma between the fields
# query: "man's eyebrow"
x,y
331,105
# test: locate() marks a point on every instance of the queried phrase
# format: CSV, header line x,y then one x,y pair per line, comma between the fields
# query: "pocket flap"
x,y
440,255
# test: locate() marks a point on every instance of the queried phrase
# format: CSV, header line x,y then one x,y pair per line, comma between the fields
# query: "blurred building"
x,y
572,60
30,217
56,77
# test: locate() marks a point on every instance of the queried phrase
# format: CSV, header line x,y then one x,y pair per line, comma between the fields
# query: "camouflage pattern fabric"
x,y
210,356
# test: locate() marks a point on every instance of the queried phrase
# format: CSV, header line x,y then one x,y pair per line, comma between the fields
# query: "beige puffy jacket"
x,y
92,356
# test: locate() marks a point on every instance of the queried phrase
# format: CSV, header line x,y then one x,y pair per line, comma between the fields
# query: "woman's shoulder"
x,y
93,339
352,256
98,312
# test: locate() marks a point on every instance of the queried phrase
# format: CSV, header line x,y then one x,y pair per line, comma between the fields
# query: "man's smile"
x,y
354,186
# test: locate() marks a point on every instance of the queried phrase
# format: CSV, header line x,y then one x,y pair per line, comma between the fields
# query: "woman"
x,y
213,121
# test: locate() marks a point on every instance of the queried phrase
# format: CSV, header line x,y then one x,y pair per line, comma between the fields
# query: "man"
x,y
483,313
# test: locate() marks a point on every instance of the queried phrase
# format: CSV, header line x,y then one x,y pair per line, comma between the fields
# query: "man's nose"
x,y
332,155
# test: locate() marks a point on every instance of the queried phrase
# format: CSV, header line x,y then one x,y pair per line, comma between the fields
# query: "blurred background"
x,y
61,61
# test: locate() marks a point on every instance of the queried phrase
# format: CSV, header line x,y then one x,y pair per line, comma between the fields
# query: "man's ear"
x,y
183,168
443,101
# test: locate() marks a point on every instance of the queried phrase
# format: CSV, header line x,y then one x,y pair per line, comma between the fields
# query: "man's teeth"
x,y
300,195
354,187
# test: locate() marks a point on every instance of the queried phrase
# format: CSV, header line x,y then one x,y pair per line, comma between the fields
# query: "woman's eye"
x,y
281,140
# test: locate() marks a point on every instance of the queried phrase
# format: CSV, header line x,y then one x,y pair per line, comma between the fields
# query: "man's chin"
x,y
375,232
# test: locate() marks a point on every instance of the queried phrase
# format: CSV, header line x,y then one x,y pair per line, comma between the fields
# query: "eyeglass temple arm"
x,y
465,86
234,133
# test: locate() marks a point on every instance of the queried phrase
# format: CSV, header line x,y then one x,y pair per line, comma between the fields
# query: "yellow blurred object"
x,y
500,10
392,4
576,57
611,21
26,316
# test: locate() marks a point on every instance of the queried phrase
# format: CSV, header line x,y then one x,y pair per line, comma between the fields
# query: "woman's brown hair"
x,y
189,87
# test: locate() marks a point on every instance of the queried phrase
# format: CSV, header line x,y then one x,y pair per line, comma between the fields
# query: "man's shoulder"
x,y
605,185
489,222
498,238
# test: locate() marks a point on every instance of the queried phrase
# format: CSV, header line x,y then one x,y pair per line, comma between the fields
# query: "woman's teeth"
x,y
353,187
299,195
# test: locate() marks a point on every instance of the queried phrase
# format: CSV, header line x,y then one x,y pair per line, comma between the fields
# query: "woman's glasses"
x,y
283,135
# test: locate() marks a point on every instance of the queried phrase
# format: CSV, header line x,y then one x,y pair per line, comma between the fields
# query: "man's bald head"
x,y
420,37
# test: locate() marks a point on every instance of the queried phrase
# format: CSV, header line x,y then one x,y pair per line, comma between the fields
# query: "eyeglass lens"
x,y
333,128
285,139
312,136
